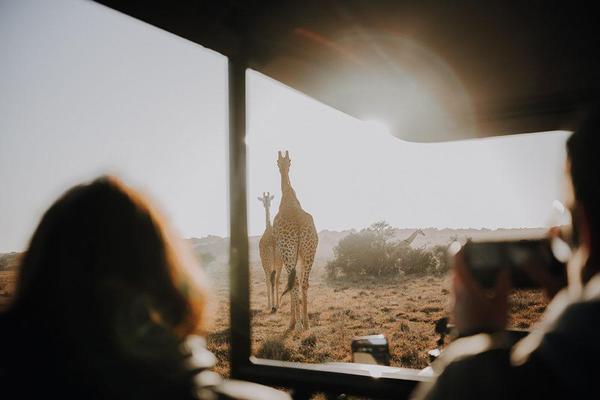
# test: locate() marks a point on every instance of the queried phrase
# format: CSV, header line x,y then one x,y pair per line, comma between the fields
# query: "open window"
x,y
89,91
386,211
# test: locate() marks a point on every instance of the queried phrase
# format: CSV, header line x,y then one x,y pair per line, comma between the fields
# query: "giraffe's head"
x,y
420,232
265,199
283,163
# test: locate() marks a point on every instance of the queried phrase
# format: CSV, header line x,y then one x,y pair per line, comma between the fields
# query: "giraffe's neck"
x,y
267,217
288,195
412,237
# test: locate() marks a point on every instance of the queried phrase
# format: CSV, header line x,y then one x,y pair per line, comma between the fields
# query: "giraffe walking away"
x,y
269,256
297,240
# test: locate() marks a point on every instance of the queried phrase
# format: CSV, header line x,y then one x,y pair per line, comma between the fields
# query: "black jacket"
x,y
559,359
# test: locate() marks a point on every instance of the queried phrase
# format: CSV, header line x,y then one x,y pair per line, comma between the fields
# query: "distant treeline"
x,y
9,261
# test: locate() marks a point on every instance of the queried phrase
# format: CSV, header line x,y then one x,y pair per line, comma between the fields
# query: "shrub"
x,y
416,261
374,252
368,252
310,341
274,349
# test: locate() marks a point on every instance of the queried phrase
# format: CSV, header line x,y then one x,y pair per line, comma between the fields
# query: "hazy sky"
x,y
85,90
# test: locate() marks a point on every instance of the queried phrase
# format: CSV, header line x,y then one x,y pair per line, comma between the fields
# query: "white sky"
x,y
85,91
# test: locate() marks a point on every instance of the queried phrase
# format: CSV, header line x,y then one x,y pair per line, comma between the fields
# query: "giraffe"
x,y
408,241
297,240
269,255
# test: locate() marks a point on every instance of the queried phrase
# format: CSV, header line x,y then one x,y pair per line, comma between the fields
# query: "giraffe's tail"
x,y
292,275
272,277
290,282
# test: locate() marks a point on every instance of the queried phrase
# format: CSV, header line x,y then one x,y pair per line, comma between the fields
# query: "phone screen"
x,y
486,259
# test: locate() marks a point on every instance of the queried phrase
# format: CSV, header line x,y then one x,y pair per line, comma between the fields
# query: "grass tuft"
x,y
274,349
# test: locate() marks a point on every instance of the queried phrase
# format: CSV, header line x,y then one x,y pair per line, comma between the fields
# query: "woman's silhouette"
x,y
105,300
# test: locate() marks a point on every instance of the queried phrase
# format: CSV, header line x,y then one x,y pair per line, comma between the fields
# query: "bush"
x,y
274,349
416,261
368,252
374,252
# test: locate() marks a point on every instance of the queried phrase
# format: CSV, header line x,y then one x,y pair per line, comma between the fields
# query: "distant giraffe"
x,y
408,241
269,256
297,240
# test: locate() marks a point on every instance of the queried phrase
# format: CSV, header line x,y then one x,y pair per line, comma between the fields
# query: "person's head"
x,y
583,150
103,270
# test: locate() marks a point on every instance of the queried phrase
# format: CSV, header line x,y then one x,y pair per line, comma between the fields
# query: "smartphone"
x,y
371,349
521,257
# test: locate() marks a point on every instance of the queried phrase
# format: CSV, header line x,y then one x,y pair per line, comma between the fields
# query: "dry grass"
x,y
404,310
7,285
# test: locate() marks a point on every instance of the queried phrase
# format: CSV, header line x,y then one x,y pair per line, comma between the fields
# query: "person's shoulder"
x,y
582,316
467,350
468,368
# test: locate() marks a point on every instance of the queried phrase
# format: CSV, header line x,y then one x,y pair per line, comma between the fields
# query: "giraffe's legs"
x,y
307,254
269,298
289,250
277,275
297,315
272,291
294,308
266,257
305,322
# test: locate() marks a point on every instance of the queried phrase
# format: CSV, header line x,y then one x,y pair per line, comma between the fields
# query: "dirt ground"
x,y
404,310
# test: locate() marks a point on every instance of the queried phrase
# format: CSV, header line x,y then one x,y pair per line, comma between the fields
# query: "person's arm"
x,y
479,366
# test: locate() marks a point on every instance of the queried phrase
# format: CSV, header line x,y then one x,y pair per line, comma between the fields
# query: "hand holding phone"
x,y
476,308
528,261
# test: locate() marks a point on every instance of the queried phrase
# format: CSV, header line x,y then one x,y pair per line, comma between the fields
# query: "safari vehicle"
x,y
500,68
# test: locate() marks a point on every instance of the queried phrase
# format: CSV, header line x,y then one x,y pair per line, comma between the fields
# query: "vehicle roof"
x,y
499,67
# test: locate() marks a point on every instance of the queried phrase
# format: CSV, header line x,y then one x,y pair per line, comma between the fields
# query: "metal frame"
x,y
303,379
239,274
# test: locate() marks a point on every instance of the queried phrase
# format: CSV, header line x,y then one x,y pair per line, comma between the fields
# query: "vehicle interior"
x,y
490,70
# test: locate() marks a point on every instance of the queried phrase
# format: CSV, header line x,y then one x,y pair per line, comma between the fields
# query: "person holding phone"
x,y
560,358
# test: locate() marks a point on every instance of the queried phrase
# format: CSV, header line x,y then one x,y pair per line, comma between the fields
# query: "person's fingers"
x,y
463,273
